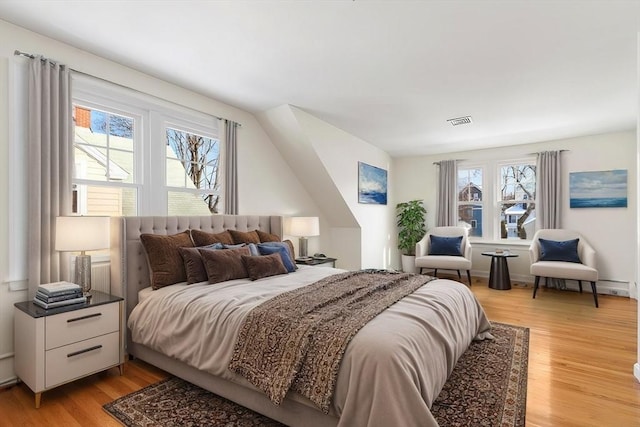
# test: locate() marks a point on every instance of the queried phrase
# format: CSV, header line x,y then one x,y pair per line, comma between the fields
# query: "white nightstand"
x,y
60,345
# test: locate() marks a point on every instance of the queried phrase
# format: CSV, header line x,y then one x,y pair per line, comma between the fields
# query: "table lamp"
x,y
303,227
81,234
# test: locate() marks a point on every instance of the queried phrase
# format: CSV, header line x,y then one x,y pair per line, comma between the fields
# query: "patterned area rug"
x,y
488,387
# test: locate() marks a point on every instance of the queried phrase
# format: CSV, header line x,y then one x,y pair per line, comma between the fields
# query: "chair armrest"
x,y
422,246
468,251
534,252
588,256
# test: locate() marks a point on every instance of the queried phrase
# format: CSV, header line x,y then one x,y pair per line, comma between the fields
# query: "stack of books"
x,y
59,294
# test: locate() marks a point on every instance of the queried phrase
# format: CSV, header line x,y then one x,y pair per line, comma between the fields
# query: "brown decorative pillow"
x,y
202,238
193,265
267,237
244,237
165,263
224,264
263,266
292,251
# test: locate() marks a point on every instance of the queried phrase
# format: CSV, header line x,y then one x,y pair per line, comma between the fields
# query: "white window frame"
x,y
491,205
149,154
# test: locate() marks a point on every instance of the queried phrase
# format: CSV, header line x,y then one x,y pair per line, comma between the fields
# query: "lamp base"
x,y
303,247
83,273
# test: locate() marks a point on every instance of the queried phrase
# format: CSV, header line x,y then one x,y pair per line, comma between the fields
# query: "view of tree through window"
x,y
517,194
192,172
470,201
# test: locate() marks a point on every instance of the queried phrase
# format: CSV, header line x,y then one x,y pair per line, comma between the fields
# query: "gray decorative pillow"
x,y
263,266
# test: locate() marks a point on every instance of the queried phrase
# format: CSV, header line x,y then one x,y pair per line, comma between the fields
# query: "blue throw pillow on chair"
x,y
566,250
441,245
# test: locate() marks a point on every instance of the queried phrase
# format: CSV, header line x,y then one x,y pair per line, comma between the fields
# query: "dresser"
x,y
60,345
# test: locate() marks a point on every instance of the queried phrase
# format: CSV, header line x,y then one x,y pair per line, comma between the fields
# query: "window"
x,y
138,155
470,201
193,173
496,200
104,158
516,200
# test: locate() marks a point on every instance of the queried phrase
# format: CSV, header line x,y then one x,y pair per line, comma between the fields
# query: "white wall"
x,y
611,231
261,191
340,153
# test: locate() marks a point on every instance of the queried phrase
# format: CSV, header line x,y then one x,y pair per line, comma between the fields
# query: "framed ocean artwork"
x,y
372,184
601,189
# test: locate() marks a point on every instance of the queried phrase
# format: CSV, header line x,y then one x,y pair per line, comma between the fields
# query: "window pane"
x,y
175,173
186,203
109,201
470,185
200,155
103,146
517,221
518,182
470,215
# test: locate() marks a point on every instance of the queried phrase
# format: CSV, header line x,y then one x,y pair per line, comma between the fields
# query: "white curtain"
x,y
549,183
50,167
447,189
231,169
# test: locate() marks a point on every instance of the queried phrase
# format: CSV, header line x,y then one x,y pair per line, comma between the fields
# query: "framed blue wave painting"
x,y
372,184
602,189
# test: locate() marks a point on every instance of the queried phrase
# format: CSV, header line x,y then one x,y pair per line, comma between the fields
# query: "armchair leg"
x,y
435,272
420,270
469,277
459,276
535,286
580,285
595,293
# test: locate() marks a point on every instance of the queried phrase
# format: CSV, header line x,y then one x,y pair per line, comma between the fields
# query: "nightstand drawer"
x,y
66,328
76,360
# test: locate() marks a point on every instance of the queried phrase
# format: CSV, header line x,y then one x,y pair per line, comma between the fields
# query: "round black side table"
x,y
499,274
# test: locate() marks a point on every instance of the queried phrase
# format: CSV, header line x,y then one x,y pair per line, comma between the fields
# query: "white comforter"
x,y
391,372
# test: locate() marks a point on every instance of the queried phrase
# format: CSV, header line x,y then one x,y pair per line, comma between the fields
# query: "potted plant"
x,y
411,229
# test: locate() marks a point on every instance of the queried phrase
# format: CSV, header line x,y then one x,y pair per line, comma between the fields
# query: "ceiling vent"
x,y
460,121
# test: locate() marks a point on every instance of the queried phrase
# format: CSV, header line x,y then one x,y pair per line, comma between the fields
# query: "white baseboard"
x,y
605,287
636,371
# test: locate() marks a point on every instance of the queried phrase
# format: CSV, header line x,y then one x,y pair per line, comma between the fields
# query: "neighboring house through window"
x,y
511,184
138,155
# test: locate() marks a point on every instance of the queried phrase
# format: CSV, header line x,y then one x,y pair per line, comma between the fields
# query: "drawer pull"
x,y
88,316
86,350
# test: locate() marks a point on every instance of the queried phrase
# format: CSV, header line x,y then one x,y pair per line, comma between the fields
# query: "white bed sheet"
x,y
391,372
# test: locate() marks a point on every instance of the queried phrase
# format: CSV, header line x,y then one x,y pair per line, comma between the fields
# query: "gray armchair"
x,y
425,259
581,269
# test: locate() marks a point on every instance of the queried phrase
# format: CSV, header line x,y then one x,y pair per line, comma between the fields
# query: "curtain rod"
x,y
535,154
32,56
457,160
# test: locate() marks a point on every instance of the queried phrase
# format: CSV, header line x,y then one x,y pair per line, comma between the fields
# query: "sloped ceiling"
x,y
389,72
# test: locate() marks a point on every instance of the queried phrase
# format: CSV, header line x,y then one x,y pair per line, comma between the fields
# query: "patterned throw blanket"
x,y
296,340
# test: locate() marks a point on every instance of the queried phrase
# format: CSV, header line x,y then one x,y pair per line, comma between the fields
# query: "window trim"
x,y
491,205
149,135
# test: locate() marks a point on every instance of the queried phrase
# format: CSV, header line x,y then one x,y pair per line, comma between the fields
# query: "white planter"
x,y
409,264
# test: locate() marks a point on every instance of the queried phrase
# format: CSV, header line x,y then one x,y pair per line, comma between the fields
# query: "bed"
x,y
386,377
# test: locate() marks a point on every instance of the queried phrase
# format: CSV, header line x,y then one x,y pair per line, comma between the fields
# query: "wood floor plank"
x,y
580,366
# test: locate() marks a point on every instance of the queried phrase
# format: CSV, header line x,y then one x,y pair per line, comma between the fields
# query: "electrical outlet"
x,y
614,292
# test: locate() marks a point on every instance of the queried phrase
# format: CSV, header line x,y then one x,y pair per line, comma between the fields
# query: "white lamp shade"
x,y
82,233
304,226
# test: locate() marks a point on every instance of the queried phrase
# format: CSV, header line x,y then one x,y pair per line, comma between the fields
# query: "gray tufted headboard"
x,y
129,268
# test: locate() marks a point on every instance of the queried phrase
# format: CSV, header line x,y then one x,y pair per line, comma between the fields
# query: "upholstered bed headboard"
x,y
129,268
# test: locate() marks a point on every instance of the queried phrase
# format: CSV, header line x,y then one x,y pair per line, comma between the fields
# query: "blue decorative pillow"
x,y
441,245
268,249
566,250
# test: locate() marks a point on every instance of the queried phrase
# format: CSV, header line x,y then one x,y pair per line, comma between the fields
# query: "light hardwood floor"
x,y
580,366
